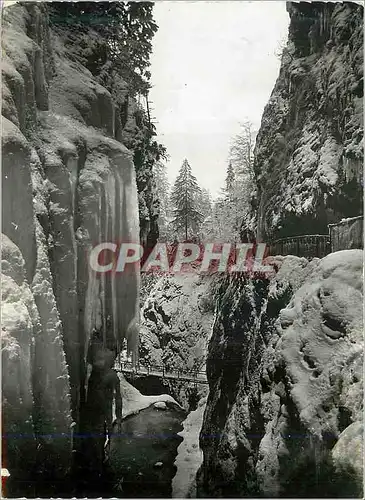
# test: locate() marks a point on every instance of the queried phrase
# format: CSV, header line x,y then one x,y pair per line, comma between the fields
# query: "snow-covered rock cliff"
x,y
284,412
67,184
308,155
285,383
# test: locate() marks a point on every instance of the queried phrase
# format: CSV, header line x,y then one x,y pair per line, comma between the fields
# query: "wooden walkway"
x,y
343,235
144,370
347,234
308,245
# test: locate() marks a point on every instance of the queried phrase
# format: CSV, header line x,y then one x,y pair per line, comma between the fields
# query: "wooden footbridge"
x,y
146,370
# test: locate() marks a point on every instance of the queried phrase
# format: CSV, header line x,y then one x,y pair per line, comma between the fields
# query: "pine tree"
x,y
205,203
230,180
121,41
162,188
232,209
206,209
185,197
241,158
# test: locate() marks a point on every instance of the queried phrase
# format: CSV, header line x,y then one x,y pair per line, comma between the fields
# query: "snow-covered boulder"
x,y
348,452
319,351
160,405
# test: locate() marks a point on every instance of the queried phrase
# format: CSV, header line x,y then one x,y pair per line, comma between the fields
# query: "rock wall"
x,y
308,155
68,184
78,29
285,383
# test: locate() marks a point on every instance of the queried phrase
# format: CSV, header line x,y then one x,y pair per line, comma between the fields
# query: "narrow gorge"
x,y
278,410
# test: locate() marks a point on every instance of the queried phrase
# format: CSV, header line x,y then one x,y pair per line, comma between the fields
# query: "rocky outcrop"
x,y
68,184
285,383
308,155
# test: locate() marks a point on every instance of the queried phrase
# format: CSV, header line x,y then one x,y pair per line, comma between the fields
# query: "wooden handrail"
x,y
308,245
160,370
302,236
347,220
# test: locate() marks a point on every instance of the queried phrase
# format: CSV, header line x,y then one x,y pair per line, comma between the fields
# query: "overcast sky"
x,y
214,65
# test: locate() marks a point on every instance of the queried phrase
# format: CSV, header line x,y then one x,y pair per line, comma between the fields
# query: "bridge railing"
x,y
149,369
308,245
347,234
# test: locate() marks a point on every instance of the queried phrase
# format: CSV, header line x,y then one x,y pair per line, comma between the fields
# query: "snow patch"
x,y
189,455
134,401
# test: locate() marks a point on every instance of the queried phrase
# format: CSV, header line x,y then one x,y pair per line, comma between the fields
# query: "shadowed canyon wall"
x,y
308,154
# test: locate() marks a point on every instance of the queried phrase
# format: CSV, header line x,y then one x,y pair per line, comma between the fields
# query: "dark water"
x,y
146,438
149,385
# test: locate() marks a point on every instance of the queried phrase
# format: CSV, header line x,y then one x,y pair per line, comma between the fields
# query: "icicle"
x,y
111,190
315,446
127,286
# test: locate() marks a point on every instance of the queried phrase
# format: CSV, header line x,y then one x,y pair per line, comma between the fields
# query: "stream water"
x,y
141,458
